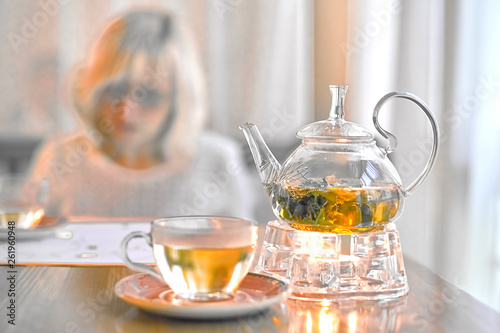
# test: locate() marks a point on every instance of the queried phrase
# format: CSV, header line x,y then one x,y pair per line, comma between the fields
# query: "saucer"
x,y
47,226
254,294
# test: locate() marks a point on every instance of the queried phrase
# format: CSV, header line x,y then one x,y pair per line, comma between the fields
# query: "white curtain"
x,y
483,250
447,53
260,65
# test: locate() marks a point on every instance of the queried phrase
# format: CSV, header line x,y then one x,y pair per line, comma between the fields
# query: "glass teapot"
x,y
338,180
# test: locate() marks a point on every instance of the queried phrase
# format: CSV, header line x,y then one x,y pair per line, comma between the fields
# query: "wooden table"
x,y
78,297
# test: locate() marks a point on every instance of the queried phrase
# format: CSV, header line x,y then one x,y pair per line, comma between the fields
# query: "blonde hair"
x,y
154,36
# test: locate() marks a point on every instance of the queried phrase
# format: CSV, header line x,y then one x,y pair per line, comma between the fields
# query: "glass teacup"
x,y
202,258
22,200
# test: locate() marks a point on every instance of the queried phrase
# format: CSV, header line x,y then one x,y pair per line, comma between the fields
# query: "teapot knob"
x,y
393,141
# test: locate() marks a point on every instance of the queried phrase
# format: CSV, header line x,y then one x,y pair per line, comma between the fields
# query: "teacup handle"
x,y
135,265
393,141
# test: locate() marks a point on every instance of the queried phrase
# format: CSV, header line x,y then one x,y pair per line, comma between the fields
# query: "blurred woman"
x,y
140,97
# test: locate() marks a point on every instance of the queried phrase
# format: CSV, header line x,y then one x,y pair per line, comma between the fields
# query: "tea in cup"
x,y
202,258
22,200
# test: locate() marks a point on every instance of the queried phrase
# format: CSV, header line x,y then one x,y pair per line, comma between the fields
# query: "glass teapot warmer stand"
x,y
318,266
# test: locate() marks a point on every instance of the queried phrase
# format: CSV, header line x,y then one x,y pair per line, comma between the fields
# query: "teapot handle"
x,y
393,141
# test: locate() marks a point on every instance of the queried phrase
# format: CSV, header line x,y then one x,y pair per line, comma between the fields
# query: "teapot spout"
x,y
267,165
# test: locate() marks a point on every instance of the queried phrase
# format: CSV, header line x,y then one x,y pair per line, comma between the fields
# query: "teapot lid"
x,y
335,128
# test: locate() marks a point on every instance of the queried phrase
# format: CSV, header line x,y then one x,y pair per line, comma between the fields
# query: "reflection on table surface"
x,y
346,316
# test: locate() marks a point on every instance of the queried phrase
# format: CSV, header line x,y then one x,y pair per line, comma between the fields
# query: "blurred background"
x,y
270,63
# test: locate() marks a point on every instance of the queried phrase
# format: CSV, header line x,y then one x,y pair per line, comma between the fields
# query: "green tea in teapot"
x,y
338,180
343,210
